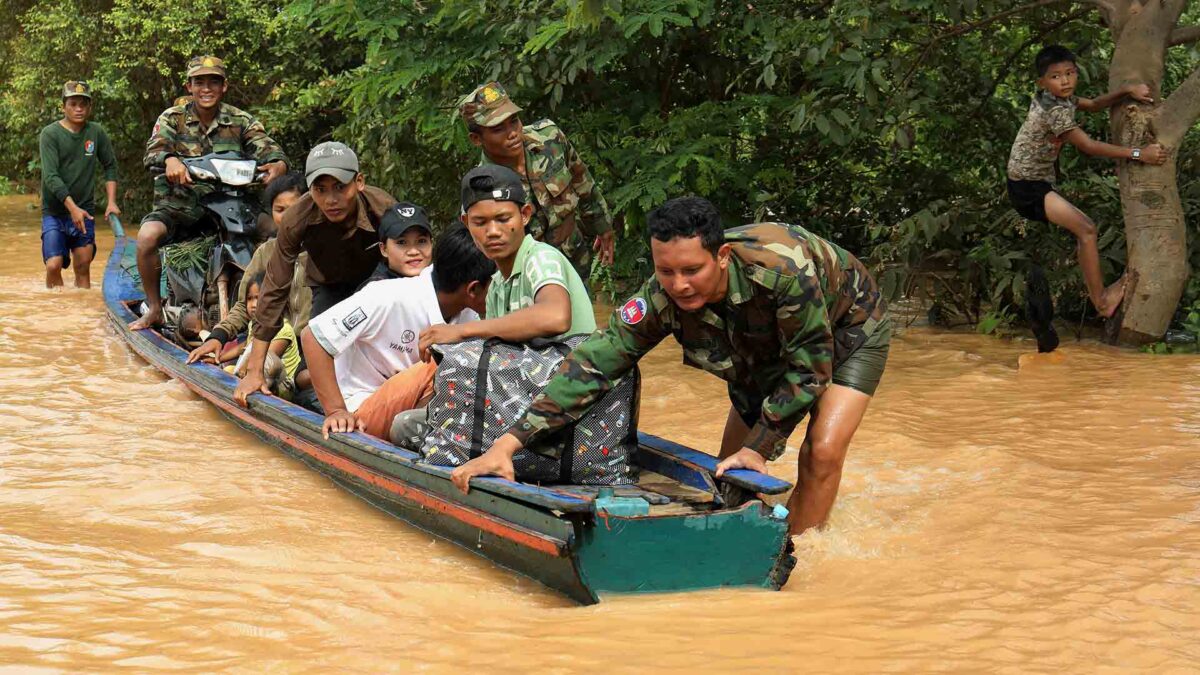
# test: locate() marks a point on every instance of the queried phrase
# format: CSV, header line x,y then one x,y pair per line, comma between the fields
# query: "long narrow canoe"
x,y
694,537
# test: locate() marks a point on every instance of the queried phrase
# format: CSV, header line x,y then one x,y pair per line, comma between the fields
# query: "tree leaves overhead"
x,y
883,124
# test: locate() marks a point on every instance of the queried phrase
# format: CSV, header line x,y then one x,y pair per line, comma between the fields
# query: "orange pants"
x,y
403,391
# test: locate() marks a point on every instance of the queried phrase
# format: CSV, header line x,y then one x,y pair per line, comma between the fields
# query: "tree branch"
x,y
971,26
1179,112
1009,63
1184,35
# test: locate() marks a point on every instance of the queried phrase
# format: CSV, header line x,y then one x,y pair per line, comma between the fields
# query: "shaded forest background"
x,y
883,125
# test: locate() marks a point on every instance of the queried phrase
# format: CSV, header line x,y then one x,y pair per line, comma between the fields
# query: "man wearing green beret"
x,y
72,149
203,125
569,211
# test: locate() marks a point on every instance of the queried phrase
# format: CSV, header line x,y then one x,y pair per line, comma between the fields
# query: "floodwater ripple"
x,y
999,511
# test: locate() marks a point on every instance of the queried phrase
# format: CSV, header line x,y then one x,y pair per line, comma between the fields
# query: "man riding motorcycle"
x,y
203,126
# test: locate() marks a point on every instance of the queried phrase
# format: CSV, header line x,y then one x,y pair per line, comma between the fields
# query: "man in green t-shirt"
x,y
72,149
536,292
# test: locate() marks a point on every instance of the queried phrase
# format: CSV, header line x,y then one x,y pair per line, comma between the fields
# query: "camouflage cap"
x,y
205,65
487,106
76,88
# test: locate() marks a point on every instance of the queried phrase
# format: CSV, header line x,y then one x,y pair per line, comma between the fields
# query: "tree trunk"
x,y
1155,232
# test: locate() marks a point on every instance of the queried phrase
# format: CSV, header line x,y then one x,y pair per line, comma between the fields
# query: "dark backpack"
x,y
483,387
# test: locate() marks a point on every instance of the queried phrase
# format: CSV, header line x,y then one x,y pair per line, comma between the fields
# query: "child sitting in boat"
x,y
362,353
283,355
405,242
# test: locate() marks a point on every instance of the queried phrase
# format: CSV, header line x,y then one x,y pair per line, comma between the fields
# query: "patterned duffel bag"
x,y
483,387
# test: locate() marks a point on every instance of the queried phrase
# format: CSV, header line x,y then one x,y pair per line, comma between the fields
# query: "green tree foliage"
x,y
882,124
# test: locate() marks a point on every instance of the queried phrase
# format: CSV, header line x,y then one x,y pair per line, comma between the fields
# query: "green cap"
x,y
77,88
487,106
205,65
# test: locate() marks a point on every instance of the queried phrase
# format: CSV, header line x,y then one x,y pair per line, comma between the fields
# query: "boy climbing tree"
x,y
1032,165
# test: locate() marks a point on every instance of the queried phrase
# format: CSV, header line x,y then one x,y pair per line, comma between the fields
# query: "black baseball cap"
x,y
492,181
399,218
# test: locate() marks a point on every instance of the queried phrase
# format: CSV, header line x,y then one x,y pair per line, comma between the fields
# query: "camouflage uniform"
x,y
569,210
1035,150
178,133
797,306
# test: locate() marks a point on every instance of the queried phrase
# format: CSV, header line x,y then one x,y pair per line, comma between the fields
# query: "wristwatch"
x,y
1136,154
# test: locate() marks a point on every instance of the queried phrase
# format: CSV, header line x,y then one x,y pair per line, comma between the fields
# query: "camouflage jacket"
x,y
177,133
1035,150
568,208
796,306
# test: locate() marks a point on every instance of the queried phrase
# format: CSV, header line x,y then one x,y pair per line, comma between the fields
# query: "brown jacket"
x,y
338,253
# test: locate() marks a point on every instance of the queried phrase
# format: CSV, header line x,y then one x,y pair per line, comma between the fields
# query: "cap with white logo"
x,y
331,159
492,181
399,218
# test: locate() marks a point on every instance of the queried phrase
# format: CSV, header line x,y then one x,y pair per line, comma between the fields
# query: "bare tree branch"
x,y
1105,6
1006,69
1180,111
1184,35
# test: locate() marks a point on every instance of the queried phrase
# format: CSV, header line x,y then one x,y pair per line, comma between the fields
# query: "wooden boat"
x,y
695,536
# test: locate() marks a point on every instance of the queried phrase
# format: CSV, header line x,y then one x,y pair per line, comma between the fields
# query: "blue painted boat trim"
x,y
123,290
743,478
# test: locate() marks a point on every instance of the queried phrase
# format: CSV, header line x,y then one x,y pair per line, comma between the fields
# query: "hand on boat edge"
x,y
210,348
497,461
251,384
746,458
342,422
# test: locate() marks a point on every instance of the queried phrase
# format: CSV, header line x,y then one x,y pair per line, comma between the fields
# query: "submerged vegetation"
x,y
884,126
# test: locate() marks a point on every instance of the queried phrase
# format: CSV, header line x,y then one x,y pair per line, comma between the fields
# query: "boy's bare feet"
x,y
153,317
1111,300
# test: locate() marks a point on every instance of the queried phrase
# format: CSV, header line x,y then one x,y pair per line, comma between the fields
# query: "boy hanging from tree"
x,y
1033,159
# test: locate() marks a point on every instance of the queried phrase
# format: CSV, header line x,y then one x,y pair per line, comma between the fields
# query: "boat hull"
x,y
551,536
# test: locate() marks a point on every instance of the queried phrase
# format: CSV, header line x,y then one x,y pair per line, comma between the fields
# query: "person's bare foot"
x,y
152,318
1113,295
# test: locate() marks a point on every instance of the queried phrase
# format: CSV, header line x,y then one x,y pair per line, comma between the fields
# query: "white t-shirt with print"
x,y
372,335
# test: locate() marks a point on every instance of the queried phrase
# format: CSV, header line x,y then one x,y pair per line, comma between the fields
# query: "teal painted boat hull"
x,y
548,534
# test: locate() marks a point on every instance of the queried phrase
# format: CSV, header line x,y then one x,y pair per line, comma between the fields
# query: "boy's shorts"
x,y
861,371
1028,197
60,237
183,215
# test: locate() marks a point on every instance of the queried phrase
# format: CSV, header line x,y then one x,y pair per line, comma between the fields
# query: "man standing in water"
x,y
793,323
567,204
203,126
71,150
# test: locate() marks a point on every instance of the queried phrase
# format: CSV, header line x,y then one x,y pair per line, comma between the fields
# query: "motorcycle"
x,y
200,273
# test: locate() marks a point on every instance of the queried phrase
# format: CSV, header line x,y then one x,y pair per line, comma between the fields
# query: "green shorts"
x,y
863,369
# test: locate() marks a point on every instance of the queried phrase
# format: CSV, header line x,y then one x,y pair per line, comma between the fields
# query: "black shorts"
x,y
1028,197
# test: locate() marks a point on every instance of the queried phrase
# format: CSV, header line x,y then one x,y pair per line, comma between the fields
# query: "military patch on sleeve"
x,y
633,311
354,318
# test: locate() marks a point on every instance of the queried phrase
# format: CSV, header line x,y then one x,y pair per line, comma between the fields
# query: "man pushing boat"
x,y
795,325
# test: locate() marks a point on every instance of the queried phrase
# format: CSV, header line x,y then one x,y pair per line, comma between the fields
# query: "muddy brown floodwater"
x,y
993,516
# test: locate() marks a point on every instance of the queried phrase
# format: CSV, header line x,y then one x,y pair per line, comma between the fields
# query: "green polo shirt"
x,y
539,264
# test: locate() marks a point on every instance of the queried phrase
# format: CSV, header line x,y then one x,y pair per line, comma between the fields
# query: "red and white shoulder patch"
x,y
634,311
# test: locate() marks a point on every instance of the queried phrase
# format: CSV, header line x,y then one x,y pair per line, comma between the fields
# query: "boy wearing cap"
x,y
362,353
72,149
405,242
337,223
202,126
568,210
793,323
535,293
